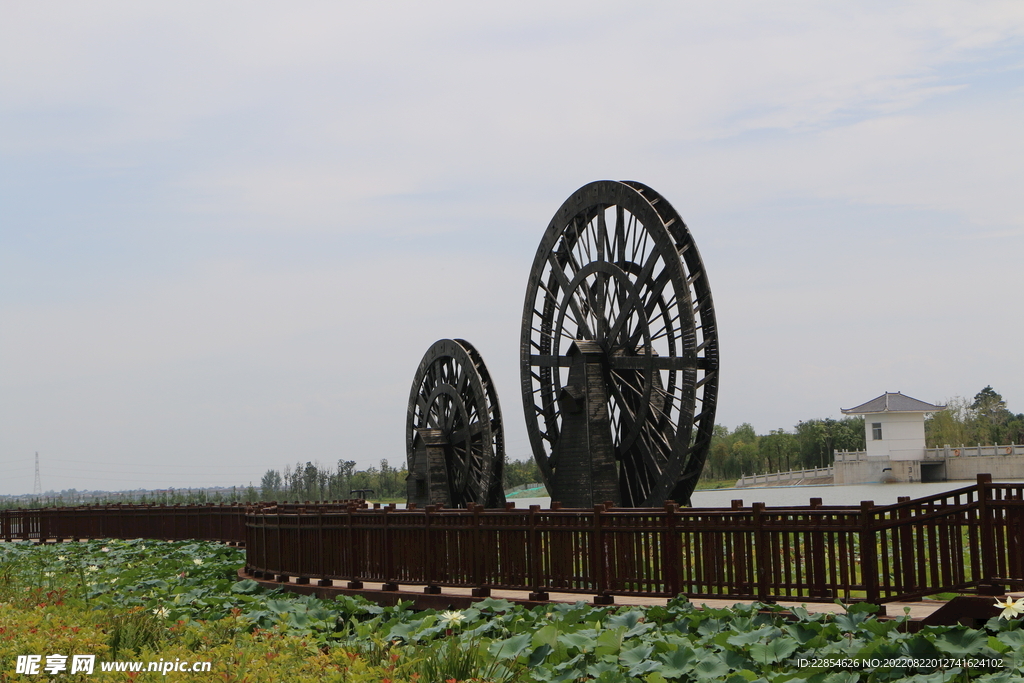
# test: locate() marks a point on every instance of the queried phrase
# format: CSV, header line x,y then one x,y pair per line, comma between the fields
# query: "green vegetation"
x,y
708,484
986,420
313,481
150,600
810,445
74,497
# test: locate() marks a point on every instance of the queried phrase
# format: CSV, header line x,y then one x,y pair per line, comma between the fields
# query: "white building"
x,y
894,436
894,425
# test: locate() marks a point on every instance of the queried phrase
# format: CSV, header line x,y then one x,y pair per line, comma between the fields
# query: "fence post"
x,y
389,555
320,569
429,560
904,536
671,561
272,532
480,591
817,549
248,542
761,552
299,549
868,551
265,553
598,556
989,571
354,551
280,571
534,557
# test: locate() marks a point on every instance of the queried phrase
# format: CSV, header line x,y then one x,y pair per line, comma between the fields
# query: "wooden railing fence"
x,y
967,540
210,522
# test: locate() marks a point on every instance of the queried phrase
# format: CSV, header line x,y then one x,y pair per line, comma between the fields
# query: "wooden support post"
x,y
389,555
816,549
868,552
671,559
762,589
480,577
533,556
429,558
599,559
989,567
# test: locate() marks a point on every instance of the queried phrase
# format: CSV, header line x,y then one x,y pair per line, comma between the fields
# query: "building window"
x,y
876,431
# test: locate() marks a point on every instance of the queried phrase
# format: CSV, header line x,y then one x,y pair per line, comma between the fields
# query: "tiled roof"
x,y
893,403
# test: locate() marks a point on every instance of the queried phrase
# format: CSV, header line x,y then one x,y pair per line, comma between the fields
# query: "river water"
x,y
775,496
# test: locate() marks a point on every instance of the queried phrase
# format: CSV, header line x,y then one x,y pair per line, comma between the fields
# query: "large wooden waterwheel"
x,y
455,444
619,351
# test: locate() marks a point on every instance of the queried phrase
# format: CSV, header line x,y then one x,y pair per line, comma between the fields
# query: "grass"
x,y
708,484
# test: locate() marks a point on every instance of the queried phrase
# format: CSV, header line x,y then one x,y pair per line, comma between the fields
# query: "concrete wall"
x,y
868,471
904,471
999,466
962,463
791,477
859,468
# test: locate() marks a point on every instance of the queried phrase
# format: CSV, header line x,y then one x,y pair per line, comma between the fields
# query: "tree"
x,y
828,431
270,485
986,420
950,427
818,439
733,453
988,403
990,416
388,480
340,481
519,472
309,482
777,448
808,445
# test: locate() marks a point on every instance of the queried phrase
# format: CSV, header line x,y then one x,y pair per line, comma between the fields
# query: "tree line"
x,y
810,444
169,496
315,481
986,420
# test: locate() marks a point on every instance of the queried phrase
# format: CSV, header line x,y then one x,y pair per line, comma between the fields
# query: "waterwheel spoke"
x,y
573,303
634,303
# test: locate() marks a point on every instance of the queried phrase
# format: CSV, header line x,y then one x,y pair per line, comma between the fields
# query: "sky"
x,y
230,231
